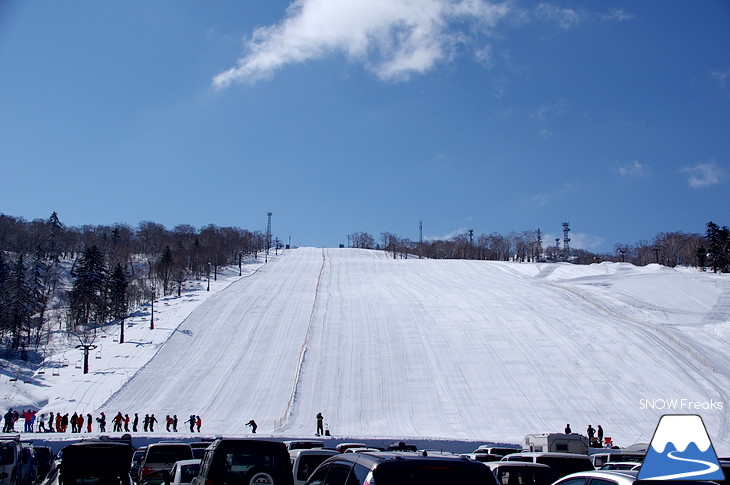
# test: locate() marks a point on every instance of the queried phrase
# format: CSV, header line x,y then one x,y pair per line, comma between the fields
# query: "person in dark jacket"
x,y
252,423
135,422
320,424
567,429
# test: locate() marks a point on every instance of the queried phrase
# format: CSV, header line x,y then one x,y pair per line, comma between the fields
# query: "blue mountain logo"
x,y
681,450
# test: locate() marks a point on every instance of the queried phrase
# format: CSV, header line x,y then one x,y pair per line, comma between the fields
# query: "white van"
x,y
17,464
556,442
600,459
305,461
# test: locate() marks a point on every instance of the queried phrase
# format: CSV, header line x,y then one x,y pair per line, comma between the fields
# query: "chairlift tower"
x,y
566,240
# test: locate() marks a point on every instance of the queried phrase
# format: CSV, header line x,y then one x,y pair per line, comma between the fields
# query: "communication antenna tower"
x,y
420,231
566,239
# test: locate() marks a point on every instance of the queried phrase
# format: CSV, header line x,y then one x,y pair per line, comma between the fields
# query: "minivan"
x,y
245,462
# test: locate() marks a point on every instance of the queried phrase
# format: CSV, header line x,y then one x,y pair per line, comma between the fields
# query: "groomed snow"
x,y
409,348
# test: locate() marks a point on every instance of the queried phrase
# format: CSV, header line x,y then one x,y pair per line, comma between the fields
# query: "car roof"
x,y
627,475
548,453
372,458
313,451
514,464
192,461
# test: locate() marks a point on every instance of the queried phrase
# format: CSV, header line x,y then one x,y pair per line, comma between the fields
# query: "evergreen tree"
x,y
118,297
88,295
19,309
718,241
4,301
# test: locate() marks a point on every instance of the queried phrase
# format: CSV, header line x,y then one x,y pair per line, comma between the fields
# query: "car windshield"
x,y
169,454
236,465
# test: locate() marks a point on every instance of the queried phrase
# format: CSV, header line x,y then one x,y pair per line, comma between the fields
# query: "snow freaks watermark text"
x,y
681,405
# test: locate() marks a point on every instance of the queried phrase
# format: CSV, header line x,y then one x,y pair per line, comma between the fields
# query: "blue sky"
x,y
369,115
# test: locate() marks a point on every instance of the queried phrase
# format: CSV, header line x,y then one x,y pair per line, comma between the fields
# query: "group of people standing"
x,y
595,436
79,423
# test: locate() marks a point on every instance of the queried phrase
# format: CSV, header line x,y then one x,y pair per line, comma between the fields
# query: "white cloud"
x,y
392,38
721,77
618,15
550,110
566,18
704,174
633,169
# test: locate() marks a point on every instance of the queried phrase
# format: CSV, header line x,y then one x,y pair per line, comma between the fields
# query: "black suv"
x,y
395,468
230,461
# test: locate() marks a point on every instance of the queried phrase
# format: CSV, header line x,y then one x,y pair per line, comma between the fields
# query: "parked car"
x,y
621,465
305,461
17,462
44,460
517,472
602,477
397,468
600,459
303,444
136,462
562,463
495,450
342,447
161,456
93,462
199,448
245,462
183,471
402,446
612,477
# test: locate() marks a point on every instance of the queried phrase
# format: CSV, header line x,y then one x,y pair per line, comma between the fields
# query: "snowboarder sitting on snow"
x,y
252,423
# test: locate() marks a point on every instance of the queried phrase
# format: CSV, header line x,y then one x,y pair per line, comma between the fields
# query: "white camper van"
x,y
556,442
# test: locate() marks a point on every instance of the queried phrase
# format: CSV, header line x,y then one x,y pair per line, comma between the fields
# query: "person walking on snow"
x,y
567,429
135,423
126,423
42,424
252,423
198,422
174,423
600,435
191,420
590,431
89,422
153,420
320,424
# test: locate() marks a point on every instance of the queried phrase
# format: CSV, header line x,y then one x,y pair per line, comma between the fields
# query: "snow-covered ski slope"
x,y
446,349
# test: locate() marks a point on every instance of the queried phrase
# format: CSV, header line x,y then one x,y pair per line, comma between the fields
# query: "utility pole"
x,y
268,236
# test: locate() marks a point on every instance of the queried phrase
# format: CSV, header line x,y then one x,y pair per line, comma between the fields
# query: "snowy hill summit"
x,y
414,348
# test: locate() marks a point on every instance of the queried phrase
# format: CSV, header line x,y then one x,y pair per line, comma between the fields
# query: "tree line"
x,y
84,277
708,251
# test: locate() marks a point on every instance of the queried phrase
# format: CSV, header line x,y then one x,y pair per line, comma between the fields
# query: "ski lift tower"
x,y
566,240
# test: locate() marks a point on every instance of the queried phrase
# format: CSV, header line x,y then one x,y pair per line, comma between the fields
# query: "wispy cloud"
x,y
721,77
393,39
633,169
545,198
704,174
566,18
617,15
550,110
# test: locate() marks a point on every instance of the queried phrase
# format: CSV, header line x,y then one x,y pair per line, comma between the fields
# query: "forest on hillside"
x,y
58,278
